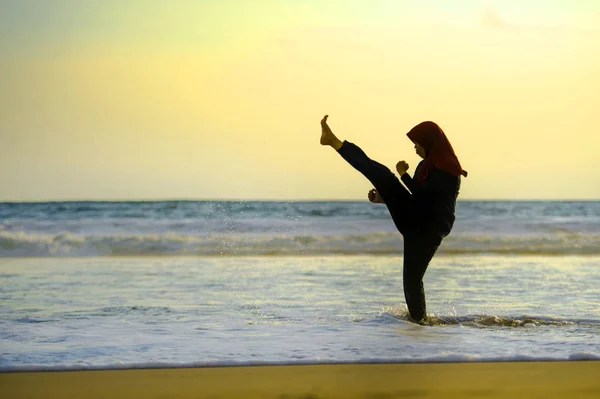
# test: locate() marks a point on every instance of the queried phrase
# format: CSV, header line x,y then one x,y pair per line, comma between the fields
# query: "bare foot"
x,y
326,133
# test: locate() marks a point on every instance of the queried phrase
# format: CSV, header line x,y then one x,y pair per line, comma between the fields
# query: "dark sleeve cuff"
x,y
408,181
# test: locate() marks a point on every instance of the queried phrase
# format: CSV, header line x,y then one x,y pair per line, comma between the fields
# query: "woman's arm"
x,y
437,181
412,185
408,181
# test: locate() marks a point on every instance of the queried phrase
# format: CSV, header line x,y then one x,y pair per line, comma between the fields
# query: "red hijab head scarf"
x,y
439,152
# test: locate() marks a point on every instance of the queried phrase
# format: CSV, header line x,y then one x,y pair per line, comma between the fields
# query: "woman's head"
x,y
433,146
424,135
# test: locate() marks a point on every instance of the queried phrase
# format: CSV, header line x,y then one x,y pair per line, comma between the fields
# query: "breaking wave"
x,y
21,244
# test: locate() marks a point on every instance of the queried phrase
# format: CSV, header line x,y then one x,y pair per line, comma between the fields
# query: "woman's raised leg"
x,y
397,198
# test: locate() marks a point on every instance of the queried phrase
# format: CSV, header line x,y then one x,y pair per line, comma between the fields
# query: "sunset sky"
x,y
128,99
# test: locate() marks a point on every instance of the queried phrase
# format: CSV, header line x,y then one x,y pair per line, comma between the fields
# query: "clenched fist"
x,y
402,167
374,197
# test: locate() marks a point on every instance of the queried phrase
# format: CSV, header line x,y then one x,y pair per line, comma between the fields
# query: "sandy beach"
x,y
450,380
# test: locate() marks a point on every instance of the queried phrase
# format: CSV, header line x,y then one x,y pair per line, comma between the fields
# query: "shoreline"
x,y
166,366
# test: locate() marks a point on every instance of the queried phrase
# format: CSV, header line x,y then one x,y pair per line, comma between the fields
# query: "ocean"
x,y
102,285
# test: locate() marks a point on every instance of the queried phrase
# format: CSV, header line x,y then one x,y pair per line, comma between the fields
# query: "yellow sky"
x,y
222,99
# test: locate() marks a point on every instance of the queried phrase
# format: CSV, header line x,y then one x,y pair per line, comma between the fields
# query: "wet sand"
x,y
573,379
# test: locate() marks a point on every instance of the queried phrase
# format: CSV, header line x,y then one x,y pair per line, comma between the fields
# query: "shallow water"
x,y
107,312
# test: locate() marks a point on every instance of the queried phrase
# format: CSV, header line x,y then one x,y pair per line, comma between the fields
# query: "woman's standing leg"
x,y
419,249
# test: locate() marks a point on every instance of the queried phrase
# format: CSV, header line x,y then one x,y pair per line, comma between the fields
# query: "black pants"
x,y
420,242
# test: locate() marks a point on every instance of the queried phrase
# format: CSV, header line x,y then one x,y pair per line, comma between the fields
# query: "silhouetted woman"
x,y
425,215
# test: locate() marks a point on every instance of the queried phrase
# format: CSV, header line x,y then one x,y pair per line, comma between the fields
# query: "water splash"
x,y
400,312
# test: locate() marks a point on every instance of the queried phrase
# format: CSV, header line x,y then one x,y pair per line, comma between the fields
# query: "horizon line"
x,y
10,201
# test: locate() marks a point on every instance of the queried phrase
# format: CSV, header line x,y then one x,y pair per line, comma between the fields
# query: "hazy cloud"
x,y
490,18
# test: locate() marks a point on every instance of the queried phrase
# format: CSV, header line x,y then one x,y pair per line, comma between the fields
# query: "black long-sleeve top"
x,y
435,199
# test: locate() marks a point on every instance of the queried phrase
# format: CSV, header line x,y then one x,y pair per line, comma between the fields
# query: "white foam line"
x,y
168,365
